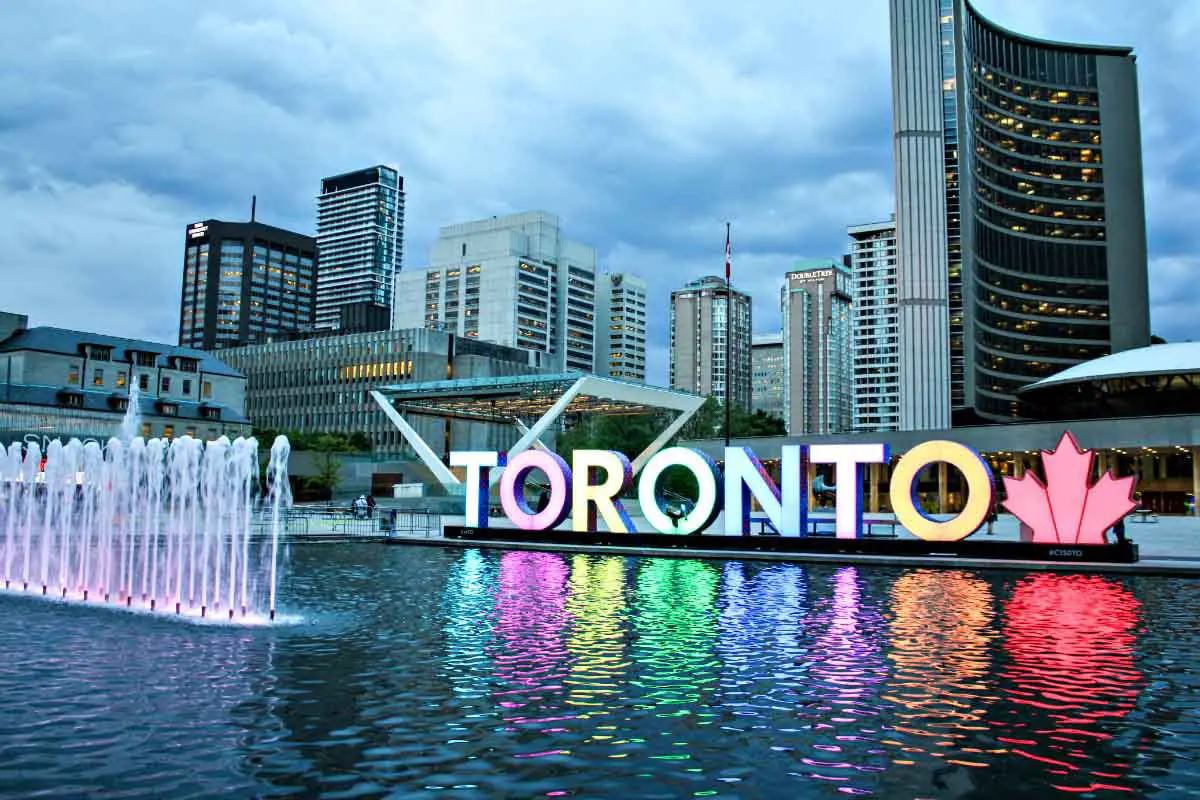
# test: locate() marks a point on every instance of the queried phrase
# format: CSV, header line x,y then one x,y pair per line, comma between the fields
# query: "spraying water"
x,y
131,424
161,525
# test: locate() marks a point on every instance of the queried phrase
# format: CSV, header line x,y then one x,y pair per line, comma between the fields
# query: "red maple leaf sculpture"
x,y
1066,509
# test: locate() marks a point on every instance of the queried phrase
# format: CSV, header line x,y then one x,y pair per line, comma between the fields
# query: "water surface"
x,y
446,673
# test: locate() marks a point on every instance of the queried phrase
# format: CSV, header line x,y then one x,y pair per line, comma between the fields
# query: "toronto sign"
x,y
1068,508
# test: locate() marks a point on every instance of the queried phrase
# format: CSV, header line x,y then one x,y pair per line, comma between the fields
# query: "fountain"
x,y
156,525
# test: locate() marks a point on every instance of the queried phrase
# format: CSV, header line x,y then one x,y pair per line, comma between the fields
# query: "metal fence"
x,y
341,522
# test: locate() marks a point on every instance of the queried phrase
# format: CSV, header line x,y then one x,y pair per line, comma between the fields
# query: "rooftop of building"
x,y
360,177
526,397
1179,358
767,339
872,227
1074,47
253,227
62,341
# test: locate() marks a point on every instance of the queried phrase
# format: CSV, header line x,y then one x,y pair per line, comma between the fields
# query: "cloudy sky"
x,y
644,125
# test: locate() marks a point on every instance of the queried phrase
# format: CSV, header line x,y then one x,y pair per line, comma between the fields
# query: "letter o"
x,y
979,491
708,504
512,490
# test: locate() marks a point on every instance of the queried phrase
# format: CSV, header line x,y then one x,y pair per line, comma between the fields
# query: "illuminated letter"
x,y
708,504
848,460
586,499
512,490
745,477
979,491
478,466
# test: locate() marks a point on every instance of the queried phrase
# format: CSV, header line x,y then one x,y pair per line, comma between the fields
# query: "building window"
x,y
71,400
206,390
122,379
187,386
97,377
144,382
73,375
165,385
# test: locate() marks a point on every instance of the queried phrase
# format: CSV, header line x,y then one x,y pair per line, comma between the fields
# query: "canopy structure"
x,y
518,398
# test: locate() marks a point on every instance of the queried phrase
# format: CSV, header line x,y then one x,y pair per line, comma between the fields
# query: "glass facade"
x,y
244,282
1040,295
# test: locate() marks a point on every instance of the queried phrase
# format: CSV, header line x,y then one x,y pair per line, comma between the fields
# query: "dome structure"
x,y
1157,380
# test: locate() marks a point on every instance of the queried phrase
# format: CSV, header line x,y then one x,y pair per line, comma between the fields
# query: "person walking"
x,y
370,506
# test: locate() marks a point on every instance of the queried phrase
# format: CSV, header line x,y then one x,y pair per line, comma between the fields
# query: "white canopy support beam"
x,y
427,456
523,428
543,424
664,437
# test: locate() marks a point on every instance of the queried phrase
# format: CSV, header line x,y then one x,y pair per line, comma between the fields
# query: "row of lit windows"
x,y
995,95
1039,207
996,140
387,369
1051,229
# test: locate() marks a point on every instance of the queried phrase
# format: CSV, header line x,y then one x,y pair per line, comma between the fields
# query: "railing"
x,y
342,522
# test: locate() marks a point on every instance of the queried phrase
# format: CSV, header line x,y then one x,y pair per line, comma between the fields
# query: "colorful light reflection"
x,y
942,632
1071,677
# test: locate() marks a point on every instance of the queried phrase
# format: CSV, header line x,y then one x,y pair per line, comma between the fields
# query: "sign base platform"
x,y
972,548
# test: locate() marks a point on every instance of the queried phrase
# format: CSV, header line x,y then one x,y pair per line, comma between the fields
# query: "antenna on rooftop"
x,y
253,206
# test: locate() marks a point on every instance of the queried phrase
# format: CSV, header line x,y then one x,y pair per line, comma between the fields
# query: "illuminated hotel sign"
x,y
197,230
1067,509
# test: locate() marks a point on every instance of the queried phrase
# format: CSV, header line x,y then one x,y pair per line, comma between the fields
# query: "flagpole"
x,y
728,334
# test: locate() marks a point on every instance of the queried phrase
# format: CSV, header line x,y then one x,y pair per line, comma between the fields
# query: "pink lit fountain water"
x,y
167,526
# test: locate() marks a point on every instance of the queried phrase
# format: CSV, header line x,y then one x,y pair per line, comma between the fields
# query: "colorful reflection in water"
x,y
845,681
1071,677
675,632
847,670
529,648
598,646
942,632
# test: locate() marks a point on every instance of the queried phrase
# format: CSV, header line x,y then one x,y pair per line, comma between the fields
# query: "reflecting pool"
x,y
449,673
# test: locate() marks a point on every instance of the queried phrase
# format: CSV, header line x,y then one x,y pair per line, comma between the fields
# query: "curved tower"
x,y
1027,251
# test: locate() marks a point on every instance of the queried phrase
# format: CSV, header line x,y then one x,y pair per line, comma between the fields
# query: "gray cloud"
x,y
645,126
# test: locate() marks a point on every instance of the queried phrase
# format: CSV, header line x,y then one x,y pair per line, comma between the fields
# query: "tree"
x,y
707,421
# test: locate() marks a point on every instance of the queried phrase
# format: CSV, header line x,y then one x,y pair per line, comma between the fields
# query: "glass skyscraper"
x,y
360,233
1021,235
244,282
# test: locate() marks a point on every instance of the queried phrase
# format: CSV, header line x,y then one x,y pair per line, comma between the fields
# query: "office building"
x,y
875,314
322,384
698,325
766,374
817,348
1021,235
621,327
513,280
244,281
360,234
58,383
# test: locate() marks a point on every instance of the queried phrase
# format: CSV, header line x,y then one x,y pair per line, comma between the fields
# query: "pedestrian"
x,y
994,508
370,506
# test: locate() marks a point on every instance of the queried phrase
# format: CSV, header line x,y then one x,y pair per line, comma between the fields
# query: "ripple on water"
x,y
491,674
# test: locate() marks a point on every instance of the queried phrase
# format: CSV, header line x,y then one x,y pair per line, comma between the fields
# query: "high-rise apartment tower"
x,y
360,234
